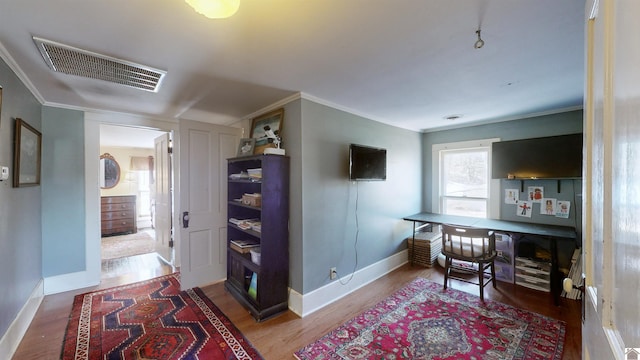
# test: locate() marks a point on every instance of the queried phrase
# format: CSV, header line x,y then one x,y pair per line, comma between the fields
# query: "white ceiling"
x,y
409,63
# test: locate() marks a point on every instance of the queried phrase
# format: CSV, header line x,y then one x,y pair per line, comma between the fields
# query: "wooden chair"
x,y
474,245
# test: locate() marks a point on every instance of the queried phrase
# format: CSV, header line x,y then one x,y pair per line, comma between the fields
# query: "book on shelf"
x,y
255,173
250,225
241,175
253,286
244,224
244,246
240,221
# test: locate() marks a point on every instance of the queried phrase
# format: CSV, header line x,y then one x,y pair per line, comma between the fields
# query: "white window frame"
x,y
144,210
493,199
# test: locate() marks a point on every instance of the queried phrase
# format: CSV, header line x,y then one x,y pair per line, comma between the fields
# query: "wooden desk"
x,y
549,232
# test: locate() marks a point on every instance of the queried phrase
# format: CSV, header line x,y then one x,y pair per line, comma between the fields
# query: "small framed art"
x,y
26,155
246,146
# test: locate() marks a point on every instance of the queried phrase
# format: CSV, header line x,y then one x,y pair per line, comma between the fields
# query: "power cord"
x,y
355,244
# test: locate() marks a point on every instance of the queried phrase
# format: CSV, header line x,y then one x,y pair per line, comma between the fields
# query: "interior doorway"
x,y
129,223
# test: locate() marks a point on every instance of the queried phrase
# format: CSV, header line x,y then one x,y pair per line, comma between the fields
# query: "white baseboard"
x,y
11,339
72,281
305,304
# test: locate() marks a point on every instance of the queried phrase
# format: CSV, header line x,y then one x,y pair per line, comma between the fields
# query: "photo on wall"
x,y
563,208
548,206
267,131
245,147
536,193
524,208
511,196
27,155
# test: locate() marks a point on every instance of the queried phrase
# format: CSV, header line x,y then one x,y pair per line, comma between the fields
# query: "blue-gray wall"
x,y
548,125
323,201
291,135
328,199
63,197
540,126
20,227
565,189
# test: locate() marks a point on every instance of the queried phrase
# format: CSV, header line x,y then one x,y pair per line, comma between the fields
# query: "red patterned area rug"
x,y
152,320
421,321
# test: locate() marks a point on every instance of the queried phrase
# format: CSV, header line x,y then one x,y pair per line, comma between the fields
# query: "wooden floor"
x,y
279,337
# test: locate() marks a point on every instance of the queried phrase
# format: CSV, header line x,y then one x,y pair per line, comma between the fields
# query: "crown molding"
x,y
502,119
4,54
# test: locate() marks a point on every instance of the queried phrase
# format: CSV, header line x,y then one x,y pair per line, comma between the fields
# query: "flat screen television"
x,y
367,163
553,157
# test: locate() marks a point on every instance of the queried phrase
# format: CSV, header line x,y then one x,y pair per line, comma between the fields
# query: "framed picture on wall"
x,y
27,154
246,146
266,130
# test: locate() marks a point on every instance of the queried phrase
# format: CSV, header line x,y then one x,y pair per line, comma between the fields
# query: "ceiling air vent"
x,y
69,60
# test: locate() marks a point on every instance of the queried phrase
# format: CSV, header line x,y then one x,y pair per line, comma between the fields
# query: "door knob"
x,y
185,219
567,285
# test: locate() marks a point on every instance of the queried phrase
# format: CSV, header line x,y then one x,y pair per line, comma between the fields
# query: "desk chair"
x,y
474,245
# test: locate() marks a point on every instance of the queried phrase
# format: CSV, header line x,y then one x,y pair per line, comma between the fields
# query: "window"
x,y
144,193
142,167
462,182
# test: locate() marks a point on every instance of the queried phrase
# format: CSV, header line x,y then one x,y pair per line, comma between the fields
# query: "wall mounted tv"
x,y
367,163
554,157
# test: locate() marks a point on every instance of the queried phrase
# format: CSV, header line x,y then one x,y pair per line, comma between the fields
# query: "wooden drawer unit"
x,y
118,214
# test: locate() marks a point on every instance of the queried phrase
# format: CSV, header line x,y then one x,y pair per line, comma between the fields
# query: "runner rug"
x,y
118,246
421,321
152,320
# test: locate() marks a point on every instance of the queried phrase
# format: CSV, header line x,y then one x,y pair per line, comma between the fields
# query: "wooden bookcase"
x,y
272,274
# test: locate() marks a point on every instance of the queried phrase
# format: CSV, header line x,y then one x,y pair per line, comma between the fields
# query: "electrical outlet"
x,y
333,273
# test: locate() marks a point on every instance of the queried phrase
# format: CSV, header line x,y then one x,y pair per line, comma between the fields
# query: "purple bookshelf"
x,y
259,281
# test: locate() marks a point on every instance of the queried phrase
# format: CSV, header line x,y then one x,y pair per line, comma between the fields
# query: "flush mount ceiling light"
x,y
480,42
453,117
215,9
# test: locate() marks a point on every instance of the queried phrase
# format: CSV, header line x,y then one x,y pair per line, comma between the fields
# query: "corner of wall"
x,y
305,304
12,338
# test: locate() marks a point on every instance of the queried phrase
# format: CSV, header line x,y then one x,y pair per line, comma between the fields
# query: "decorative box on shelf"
x,y
252,199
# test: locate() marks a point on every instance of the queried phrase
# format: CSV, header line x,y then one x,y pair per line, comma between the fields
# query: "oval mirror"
x,y
109,171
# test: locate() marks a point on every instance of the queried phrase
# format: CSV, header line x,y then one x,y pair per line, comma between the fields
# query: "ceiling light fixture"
x,y
215,9
453,117
480,42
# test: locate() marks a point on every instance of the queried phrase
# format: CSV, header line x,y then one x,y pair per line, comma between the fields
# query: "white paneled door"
x,y
612,191
204,149
162,198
